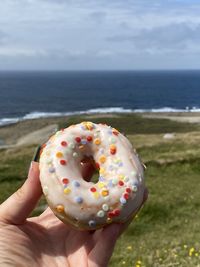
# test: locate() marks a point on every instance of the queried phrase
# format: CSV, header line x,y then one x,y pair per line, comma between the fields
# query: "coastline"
x,y
39,129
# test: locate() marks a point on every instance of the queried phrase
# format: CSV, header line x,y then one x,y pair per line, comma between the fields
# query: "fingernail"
x,y
32,168
36,155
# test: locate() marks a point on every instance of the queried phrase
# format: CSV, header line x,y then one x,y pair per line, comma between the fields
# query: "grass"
x,y
166,231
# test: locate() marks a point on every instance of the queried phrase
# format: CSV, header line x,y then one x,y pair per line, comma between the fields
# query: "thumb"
x,y
17,207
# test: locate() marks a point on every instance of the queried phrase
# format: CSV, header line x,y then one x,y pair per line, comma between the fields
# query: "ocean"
x,y
27,95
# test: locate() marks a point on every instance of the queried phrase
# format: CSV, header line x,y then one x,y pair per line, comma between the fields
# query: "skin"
x,y
45,240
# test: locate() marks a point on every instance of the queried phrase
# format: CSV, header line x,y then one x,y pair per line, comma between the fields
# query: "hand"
x,y
45,240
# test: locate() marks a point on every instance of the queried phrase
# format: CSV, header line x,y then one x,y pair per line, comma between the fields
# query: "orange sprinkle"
x,y
105,193
97,141
60,208
59,154
102,159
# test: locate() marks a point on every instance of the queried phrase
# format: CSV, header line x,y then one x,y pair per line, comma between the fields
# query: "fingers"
x,y
101,253
17,207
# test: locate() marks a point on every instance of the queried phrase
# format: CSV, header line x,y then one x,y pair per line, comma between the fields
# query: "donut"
x,y
88,205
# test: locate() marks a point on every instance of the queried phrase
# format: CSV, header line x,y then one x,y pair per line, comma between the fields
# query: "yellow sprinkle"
x,y
60,208
67,190
101,184
105,193
102,171
97,141
96,194
121,176
89,125
109,220
59,154
102,159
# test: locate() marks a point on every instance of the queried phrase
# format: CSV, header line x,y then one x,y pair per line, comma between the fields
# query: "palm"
x,y
46,241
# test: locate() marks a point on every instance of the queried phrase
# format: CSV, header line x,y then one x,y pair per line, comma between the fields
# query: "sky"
x,y
99,35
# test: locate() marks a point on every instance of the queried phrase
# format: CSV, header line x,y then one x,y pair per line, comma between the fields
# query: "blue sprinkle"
x,y
101,179
92,223
120,164
76,183
110,132
122,200
83,142
79,200
65,185
110,184
51,169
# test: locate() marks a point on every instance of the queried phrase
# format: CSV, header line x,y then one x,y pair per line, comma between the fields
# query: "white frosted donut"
x,y
87,205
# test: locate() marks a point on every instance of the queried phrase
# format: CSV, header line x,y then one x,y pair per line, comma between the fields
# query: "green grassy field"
x,y
166,231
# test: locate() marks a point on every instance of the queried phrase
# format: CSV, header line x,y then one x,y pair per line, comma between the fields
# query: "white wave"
x,y
38,114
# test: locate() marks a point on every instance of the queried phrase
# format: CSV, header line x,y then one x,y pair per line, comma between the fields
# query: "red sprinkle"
x,y
63,162
63,143
97,165
116,212
89,138
113,151
93,189
111,214
115,132
78,139
126,196
65,181
128,190
121,183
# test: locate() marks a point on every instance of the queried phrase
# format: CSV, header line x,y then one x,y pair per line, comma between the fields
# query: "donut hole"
x,y
88,169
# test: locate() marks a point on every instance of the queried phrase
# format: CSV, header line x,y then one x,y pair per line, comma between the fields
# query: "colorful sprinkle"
x,y
112,140
65,181
126,196
122,200
92,223
89,138
134,188
100,213
79,200
67,190
121,183
105,193
96,195
105,207
102,170
51,169
75,155
71,145
116,212
101,184
102,159
59,154
83,141
93,189
76,184
115,181
97,141
78,139
63,162
113,149
128,190
63,143
60,208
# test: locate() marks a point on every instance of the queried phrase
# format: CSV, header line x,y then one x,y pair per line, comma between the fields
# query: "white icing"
x,y
91,208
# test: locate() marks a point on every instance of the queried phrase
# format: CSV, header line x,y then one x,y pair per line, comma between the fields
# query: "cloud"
x,y
173,37
3,37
